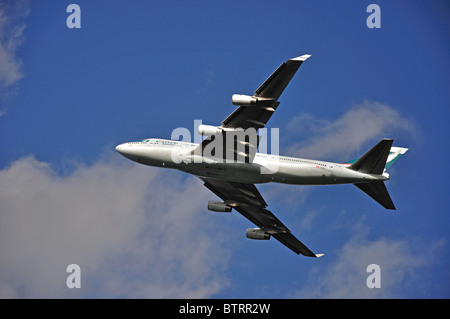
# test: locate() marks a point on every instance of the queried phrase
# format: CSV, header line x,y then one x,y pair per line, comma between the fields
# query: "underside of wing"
x,y
256,111
246,199
253,113
230,146
277,82
294,244
255,116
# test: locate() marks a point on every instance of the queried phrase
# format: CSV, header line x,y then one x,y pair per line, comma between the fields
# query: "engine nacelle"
x,y
218,206
257,233
245,100
208,130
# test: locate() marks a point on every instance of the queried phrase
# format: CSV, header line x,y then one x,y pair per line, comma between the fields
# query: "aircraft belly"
x,y
234,172
254,173
301,175
308,175
317,175
151,156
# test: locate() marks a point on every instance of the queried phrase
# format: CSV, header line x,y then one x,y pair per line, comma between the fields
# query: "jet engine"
x,y
257,233
218,206
243,100
208,130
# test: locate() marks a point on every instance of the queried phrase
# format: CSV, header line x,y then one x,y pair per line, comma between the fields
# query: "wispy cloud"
x,y
135,232
346,277
347,134
12,36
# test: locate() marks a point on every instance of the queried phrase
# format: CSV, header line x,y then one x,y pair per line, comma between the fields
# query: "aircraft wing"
x,y
254,112
246,199
266,97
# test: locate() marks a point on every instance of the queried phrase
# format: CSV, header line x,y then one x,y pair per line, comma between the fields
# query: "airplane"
x,y
228,163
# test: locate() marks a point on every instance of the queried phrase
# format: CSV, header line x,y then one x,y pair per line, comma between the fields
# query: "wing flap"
x,y
255,116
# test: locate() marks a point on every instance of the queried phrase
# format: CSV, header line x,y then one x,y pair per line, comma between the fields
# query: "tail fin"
x,y
394,155
376,161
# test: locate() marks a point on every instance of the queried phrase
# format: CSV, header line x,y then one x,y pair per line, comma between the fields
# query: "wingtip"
x,y
301,58
319,255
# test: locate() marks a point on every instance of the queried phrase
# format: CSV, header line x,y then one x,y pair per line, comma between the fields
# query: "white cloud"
x,y
139,232
135,231
347,134
11,37
346,276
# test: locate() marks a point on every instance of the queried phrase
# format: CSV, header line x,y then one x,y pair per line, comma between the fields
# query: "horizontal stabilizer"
x,y
374,160
378,191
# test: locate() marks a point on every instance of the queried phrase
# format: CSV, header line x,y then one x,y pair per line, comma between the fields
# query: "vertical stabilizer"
x,y
394,154
375,161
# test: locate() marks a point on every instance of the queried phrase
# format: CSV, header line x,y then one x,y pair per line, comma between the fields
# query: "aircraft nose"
x,y
121,148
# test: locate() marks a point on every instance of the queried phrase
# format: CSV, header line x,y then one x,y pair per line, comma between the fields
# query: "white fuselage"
x,y
264,168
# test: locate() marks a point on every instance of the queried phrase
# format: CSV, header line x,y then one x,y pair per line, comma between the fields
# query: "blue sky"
x,y
142,68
